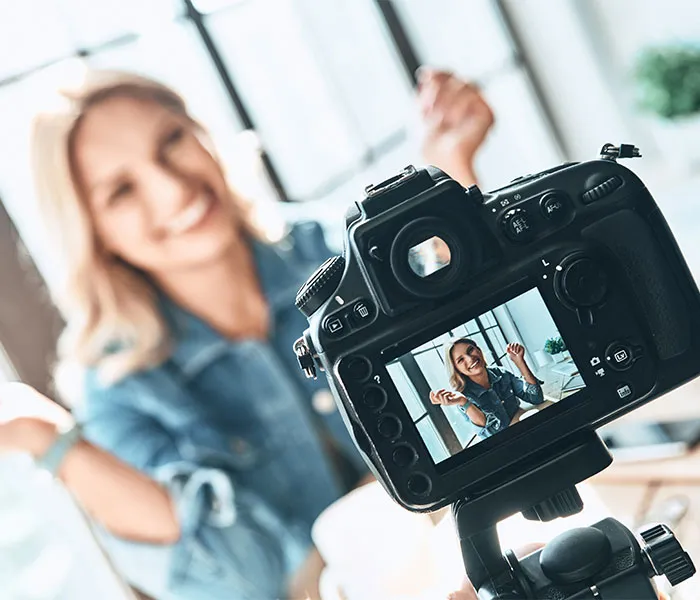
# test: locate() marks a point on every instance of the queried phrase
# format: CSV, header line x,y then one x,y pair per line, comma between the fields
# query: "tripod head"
x,y
602,561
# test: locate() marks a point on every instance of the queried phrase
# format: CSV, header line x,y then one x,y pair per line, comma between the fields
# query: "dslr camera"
x,y
475,342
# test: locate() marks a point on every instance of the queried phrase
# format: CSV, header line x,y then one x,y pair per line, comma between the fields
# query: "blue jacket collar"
x,y
475,390
195,343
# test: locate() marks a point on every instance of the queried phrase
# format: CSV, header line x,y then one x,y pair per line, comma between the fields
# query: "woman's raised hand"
x,y
457,119
516,352
447,398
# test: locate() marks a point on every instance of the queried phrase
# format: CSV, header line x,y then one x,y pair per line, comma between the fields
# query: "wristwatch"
x,y
54,456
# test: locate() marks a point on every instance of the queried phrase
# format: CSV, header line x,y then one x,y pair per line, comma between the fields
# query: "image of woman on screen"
x,y
488,396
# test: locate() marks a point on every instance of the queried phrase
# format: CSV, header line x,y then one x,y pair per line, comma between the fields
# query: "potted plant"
x,y
556,347
667,81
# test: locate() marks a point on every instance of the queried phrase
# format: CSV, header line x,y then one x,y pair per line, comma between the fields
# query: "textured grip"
x,y
632,241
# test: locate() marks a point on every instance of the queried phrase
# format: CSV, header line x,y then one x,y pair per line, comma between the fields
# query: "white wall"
x,y
581,52
532,319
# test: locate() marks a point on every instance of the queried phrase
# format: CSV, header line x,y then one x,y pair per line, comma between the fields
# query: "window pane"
x,y
369,76
406,391
498,340
295,109
520,141
208,6
432,440
93,22
488,319
32,33
454,35
174,55
433,369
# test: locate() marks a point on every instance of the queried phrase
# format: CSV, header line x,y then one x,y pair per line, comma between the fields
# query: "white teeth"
x,y
188,218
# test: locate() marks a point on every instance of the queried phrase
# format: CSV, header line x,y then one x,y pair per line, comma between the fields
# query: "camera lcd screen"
x,y
480,378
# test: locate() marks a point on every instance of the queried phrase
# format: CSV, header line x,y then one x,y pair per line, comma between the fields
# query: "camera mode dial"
x,y
320,286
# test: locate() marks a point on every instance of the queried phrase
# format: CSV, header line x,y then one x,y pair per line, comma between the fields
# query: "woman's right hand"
x,y
29,421
448,398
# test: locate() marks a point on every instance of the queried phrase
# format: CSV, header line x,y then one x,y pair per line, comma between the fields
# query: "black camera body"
x,y
588,236
577,256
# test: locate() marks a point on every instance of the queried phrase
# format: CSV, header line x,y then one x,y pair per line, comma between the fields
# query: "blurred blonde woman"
x,y
202,451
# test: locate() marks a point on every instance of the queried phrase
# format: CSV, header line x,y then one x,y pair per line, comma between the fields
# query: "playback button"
x,y
334,326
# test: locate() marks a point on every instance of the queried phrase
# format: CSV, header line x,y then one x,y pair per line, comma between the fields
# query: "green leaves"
x,y
668,80
554,345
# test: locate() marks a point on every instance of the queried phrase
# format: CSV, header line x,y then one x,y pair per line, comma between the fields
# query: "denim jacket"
x,y
231,430
501,400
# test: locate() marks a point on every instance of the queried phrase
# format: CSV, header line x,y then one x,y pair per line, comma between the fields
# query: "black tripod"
x,y
601,562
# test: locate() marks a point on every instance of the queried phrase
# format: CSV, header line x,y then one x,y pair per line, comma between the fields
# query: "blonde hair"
x,y
112,319
457,380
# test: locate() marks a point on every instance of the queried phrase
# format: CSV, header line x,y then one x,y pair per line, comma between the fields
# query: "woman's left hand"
x,y
457,119
516,352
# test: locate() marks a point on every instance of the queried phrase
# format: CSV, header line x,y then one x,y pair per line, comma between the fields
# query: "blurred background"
x,y
309,102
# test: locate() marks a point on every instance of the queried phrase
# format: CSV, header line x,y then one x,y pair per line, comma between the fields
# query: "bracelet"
x,y
54,456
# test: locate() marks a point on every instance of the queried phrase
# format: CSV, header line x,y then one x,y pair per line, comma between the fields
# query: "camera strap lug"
x,y
305,358
613,152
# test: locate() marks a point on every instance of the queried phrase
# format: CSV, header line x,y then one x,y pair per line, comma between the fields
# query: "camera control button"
x,y
404,455
583,283
624,391
419,484
389,427
334,326
554,207
619,356
374,397
358,368
362,312
518,225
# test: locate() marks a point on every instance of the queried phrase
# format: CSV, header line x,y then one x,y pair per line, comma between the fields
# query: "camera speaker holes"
x,y
419,484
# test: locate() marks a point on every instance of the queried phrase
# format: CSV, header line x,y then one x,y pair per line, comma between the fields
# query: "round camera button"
x,y
554,207
419,484
358,368
619,356
389,427
584,283
362,312
335,326
518,225
374,397
404,456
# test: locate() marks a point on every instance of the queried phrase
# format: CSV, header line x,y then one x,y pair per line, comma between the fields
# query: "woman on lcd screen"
x,y
488,396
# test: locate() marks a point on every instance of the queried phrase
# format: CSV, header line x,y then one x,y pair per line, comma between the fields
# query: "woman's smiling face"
x,y
158,198
468,360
